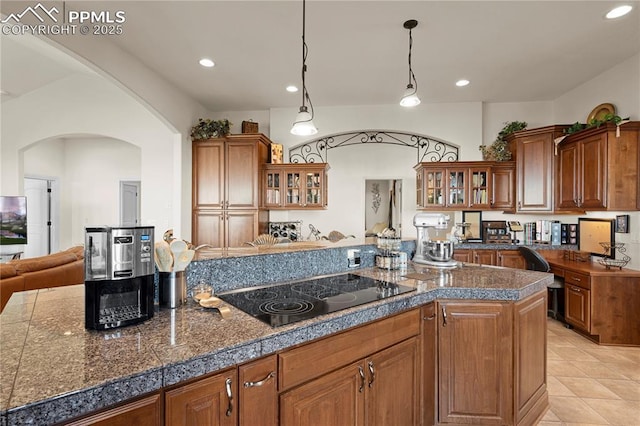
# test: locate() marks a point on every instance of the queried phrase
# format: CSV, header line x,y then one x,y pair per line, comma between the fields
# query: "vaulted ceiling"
x,y
511,51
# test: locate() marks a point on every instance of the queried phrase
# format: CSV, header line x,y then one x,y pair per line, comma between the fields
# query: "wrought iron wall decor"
x,y
377,199
429,149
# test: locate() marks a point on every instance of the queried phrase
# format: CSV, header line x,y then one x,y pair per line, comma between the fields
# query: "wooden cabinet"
x,y
505,258
429,374
211,401
577,307
535,167
503,186
475,347
225,189
498,347
295,186
481,257
459,185
146,411
597,169
258,392
463,255
530,357
369,376
379,390
600,303
511,259
577,293
453,186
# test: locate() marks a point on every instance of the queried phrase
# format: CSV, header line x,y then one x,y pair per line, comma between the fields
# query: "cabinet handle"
x,y
259,383
576,279
362,380
429,318
230,396
372,372
576,289
444,316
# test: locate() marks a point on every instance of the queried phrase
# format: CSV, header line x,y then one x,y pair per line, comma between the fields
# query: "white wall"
x,y
90,105
90,184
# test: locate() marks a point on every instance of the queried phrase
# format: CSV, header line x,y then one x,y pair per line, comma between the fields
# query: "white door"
x,y
129,203
38,193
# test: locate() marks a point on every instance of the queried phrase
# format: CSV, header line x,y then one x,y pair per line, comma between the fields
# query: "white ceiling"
x,y
512,51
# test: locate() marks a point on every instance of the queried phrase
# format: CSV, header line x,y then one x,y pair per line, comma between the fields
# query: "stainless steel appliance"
x,y
287,303
118,279
432,246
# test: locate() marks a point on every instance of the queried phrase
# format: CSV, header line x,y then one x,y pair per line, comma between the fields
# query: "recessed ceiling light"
x,y
206,62
462,83
619,11
292,89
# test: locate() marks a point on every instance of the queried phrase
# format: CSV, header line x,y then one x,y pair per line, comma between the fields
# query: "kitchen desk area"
x,y
600,303
54,370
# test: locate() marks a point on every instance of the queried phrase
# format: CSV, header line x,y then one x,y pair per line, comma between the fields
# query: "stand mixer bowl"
x,y
439,251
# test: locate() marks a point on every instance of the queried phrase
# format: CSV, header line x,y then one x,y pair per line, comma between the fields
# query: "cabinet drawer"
x,y
580,280
316,358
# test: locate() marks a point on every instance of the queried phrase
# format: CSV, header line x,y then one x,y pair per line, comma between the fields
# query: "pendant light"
x,y
303,126
410,97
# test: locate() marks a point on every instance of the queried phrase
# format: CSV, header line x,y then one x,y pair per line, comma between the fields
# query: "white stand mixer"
x,y
436,252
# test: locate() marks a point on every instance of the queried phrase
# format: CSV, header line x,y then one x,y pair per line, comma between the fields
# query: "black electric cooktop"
x,y
288,303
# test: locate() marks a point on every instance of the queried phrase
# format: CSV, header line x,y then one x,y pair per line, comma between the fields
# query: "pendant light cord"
x,y
411,74
305,51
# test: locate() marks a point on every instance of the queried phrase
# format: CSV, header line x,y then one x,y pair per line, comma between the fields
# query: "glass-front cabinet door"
x,y
295,186
292,188
457,193
480,187
434,188
272,188
313,189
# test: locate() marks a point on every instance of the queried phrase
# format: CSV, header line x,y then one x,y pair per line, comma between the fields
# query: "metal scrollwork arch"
x,y
429,149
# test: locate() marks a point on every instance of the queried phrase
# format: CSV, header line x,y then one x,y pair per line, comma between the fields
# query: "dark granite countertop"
x,y
53,369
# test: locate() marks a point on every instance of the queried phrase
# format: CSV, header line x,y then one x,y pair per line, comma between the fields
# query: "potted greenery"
x,y
498,150
595,122
208,128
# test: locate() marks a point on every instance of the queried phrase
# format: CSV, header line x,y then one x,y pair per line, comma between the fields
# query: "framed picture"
x,y
474,231
622,224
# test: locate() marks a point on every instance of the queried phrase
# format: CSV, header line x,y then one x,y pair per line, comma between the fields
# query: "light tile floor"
x,y
590,384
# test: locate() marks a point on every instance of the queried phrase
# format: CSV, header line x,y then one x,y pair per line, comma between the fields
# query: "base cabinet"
x,y
379,390
577,307
474,347
143,412
448,362
505,258
206,402
258,392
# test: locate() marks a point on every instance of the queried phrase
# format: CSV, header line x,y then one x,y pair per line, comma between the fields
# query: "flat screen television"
x,y
13,220
592,232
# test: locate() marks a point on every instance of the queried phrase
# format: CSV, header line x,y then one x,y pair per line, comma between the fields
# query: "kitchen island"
x,y
54,370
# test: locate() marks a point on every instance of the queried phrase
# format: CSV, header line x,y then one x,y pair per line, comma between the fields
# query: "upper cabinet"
x,y
294,186
226,189
464,184
535,167
597,169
